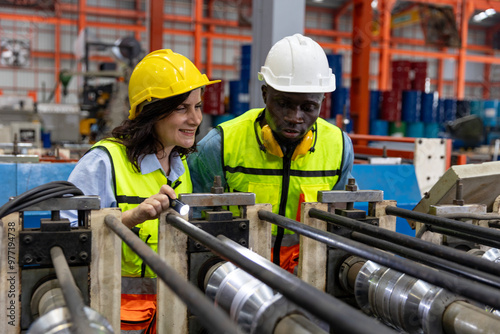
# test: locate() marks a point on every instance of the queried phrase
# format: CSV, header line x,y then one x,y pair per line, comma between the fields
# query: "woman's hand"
x,y
150,208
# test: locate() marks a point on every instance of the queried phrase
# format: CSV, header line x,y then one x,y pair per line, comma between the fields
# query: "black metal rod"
x,y
478,231
71,293
464,236
343,317
410,242
427,259
213,318
462,286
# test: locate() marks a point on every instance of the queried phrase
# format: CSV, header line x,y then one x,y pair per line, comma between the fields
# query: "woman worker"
x,y
143,165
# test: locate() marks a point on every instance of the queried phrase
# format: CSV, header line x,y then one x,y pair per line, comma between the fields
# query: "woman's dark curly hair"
x,y
138,135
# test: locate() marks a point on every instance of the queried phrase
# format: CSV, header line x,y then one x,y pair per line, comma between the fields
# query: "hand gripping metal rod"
x,y
214,319
344,318
71,293
464,287
410,242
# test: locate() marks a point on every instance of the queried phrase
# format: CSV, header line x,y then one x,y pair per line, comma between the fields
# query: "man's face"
x,y
290,115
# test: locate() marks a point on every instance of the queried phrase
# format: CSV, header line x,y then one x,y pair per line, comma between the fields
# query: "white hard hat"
x,y
298,64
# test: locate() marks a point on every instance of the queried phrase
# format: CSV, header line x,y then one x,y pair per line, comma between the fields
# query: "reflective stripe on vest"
x,y
131,188
274,180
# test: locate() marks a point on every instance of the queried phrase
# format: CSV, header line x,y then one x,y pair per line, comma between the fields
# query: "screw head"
x,y
83,256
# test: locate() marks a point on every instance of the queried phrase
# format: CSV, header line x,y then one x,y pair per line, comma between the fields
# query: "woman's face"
x,y
179,128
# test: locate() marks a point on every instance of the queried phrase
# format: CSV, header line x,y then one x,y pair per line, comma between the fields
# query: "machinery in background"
x,y
46,271
352,268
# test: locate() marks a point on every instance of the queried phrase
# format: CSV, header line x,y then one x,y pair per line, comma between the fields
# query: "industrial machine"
x,y
355,273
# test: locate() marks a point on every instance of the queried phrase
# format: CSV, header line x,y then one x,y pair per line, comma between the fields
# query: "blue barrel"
x,y
374,104
239,97
414,129
490,113
429,107
411,106
477,107
216,120
431,130
450,109
245,63
379,127
340,98
335,63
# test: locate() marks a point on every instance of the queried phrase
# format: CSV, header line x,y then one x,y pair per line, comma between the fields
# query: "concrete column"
x,y
271,21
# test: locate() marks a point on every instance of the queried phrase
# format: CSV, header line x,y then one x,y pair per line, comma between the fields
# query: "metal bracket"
x,y
35,245
236,229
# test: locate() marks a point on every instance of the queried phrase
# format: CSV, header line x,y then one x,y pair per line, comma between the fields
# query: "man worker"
x,y
284,153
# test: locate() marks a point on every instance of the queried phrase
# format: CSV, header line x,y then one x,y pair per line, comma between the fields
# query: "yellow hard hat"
x,y
162,74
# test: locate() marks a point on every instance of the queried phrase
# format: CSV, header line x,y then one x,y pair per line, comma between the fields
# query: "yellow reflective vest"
x,y
248,167
132,188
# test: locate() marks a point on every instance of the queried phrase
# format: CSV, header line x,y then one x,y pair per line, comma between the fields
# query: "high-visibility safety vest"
x,y
284,183
131,189
138,299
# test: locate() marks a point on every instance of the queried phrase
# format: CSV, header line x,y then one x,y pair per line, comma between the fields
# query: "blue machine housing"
x,y
399,183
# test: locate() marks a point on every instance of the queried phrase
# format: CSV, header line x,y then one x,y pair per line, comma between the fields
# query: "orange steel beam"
x,y
487,68
328,33
219,22
82,24
439,2
117,26
420,42
336,17
361,137
36,19
62,21
82,17
246,38
440,75
155,25
425,54
335,46
467,10
210,43
198,15
486,4
103,11
385,38
361,149
360,67
57,51
139,20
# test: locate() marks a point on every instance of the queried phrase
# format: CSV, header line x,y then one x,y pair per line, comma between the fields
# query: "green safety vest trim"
x,y
131,188
274,180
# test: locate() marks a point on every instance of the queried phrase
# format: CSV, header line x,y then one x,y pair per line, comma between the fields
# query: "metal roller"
x,y
58,321
252,304
492,254
401,301
53,317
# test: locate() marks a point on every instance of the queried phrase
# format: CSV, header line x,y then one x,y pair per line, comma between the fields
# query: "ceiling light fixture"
x,y
484,15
